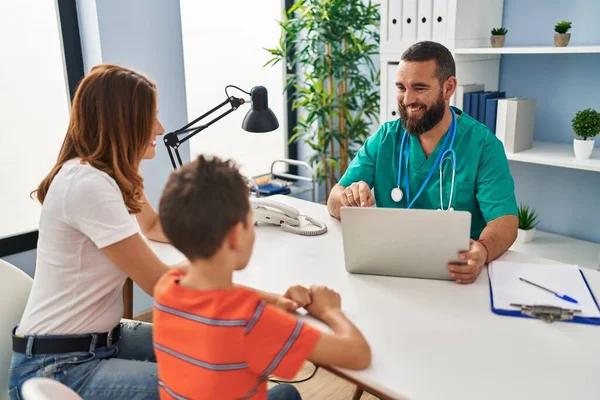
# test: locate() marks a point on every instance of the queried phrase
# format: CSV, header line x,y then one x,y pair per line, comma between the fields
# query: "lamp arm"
x,y
172,140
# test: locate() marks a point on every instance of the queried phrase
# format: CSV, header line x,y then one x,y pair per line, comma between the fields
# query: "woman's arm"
x,y
136,259
150,223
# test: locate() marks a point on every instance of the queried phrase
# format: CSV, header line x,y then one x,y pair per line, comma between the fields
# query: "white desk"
x,y
430,339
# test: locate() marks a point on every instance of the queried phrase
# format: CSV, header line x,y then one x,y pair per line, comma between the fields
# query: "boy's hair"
x,y
201,202
427,50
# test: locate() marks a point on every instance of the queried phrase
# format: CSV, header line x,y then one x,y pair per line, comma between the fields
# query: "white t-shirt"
x,y
77,289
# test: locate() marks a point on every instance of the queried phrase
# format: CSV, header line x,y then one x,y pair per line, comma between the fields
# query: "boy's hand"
x,y
294,298
299,294
324,300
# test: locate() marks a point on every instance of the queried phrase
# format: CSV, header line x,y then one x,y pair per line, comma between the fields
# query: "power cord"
x,y
299,380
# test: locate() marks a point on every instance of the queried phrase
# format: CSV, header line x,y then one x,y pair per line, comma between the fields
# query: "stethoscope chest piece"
x,y
397,194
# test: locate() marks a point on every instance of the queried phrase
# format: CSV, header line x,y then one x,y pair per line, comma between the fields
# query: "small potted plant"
x,y
528,219
561,37
497,38
586,125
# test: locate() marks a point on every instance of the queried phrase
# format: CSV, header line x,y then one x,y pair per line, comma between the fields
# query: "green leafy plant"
x,y
331,42
586,123
562,27
499,31
528,218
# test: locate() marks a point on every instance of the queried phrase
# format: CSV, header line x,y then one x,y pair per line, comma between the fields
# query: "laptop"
x,y
404,243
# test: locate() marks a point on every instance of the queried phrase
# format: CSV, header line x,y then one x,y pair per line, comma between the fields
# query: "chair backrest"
x,y
15,286
47,389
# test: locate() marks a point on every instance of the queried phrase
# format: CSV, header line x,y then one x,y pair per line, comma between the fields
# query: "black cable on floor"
x,y
298,381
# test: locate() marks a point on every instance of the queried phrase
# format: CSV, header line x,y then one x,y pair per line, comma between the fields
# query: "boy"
x,y
214,339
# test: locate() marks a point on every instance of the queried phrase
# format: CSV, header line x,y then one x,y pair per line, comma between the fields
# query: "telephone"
x,y
276,213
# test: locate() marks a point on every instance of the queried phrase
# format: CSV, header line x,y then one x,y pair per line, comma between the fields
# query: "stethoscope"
x,y
449,154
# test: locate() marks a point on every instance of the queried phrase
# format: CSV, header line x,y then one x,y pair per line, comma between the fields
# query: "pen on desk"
x,y
559,295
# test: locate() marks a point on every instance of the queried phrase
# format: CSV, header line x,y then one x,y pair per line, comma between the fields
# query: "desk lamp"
x,y
259,119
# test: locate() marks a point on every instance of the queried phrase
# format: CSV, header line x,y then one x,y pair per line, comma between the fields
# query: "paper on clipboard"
x,y
566,279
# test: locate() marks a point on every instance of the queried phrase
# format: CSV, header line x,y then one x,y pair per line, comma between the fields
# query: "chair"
x,y
47,389
14,290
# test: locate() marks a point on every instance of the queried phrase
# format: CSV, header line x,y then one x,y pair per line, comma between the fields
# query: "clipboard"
x,y
547,313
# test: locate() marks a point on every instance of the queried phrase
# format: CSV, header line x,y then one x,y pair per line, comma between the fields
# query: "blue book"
x,y
491,111
467,102
483,102
475,104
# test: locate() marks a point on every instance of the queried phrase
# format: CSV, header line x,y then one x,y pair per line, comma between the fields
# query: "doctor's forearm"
x,y
333,202
499,235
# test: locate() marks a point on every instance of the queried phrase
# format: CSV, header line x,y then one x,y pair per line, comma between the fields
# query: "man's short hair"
x,y
425,51
201,202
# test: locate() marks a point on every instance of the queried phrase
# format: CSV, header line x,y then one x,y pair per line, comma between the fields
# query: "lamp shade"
x,y
260,118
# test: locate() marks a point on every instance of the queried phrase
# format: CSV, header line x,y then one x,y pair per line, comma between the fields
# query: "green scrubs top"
x,y
483,183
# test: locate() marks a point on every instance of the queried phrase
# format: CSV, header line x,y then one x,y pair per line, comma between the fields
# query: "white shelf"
x,y
562,249
529,50
557,155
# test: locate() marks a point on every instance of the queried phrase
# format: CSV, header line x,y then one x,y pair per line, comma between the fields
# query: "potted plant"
x,y
586,125
328,47
528,219
498,35
561,37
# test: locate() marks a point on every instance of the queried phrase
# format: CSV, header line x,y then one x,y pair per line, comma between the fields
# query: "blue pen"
x,y
560,296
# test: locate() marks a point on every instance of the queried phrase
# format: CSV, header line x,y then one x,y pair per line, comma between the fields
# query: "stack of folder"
x,y
510,119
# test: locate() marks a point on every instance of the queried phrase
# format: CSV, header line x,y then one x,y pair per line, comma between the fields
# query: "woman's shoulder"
x,y
83,182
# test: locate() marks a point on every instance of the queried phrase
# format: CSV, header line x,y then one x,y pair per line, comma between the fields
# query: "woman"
x,y
94,213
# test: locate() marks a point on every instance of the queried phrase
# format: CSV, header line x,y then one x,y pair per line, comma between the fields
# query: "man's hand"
x,y
475,257
357,195
294,298
324,300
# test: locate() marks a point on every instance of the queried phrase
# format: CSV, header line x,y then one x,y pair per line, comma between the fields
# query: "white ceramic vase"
x,y
525,236
583,148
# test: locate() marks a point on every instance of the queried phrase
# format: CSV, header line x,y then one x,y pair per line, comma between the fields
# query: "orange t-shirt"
x,y
223,344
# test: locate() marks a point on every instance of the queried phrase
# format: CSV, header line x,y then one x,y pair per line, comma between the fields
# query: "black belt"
x,y
66,344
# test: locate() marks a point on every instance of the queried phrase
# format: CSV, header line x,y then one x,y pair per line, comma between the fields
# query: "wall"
x,y
230,50
567,200
144,35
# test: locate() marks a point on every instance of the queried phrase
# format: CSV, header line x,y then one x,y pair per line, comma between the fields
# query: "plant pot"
x,y
583,148
525,236
497,40
561,39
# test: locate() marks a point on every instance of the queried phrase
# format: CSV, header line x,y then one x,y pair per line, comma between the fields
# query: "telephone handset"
x,y
276,213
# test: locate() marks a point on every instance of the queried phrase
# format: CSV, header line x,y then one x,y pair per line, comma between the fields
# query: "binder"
x,y
409,20
543,305
491,108
439,21
475,104
392,102
515,123
394,26
483,101
459,95
467,101
424,21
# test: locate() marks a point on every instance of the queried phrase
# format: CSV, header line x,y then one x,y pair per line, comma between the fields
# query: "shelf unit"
x,y
528,50
466,34
556,155
562,249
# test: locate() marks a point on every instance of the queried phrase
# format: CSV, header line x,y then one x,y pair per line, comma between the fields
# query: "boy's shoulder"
x,y
236,303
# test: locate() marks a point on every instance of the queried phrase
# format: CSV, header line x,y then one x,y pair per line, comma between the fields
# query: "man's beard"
x,y
431,117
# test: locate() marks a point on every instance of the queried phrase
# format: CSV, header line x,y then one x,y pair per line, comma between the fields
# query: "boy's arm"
x,y
346,347
288,302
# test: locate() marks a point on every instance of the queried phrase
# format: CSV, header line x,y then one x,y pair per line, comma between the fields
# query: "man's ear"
x,y
449,87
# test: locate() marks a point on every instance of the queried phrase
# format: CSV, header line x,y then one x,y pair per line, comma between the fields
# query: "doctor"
x,y
435,157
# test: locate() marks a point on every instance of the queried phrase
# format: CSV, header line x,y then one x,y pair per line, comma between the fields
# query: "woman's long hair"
x,y
111,126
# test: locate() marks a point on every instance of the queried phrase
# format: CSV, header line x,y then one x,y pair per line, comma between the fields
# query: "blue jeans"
x,y
125,370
